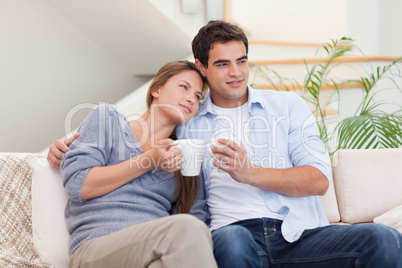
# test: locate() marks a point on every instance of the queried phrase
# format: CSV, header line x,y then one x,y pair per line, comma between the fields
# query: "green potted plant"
x,y
370,127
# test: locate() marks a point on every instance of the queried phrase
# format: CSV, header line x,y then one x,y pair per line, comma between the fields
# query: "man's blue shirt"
x,y
282,133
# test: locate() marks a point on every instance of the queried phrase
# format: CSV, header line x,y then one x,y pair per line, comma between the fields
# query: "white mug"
x,y
214,143
193,154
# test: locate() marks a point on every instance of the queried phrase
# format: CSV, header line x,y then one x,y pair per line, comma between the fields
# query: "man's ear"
x,y
200,66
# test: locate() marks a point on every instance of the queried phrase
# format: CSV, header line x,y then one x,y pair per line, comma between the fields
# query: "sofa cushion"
x,y
16,248
49,198
367,183
392,218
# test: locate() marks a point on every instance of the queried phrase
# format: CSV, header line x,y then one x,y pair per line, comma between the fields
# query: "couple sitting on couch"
x,y
119,176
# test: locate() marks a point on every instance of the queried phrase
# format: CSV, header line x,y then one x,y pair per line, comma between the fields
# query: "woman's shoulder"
x,y
104,111
108,114
106,107
101,115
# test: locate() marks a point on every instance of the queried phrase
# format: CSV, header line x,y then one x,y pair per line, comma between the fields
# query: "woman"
x,y
119,176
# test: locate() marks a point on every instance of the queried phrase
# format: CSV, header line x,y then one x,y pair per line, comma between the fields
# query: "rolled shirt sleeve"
x,y
305,145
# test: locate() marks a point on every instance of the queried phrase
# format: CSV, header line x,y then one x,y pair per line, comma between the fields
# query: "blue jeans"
x,y
259,243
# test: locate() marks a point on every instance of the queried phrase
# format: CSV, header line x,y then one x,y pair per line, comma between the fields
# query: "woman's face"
x,y
180,97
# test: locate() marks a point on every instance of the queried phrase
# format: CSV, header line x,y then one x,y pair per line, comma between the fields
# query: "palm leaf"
x,y
370,130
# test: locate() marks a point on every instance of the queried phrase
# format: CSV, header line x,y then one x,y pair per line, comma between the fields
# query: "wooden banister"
x,y
282,87
321,60
227,10
282,43
326,112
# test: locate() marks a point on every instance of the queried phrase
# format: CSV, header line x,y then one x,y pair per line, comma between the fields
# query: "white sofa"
x,y
367,185
367,188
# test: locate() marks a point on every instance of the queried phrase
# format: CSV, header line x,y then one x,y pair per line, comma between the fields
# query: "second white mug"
x,y
214,143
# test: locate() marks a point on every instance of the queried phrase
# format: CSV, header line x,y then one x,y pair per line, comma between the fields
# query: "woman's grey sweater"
x,y
106,139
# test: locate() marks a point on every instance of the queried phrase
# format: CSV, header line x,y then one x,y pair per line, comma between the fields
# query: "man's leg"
x,y
234,246
174,241
361,245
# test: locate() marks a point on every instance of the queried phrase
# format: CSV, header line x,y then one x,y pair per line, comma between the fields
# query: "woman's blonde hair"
x,y
187,187
167,71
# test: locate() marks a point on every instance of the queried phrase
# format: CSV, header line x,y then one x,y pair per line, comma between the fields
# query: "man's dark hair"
x,y
216,31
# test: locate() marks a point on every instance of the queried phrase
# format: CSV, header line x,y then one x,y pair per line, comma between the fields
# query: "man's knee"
x,y
388,241
234,246
233,239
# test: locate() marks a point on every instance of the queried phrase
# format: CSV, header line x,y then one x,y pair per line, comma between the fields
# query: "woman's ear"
x,y
155,93
200,67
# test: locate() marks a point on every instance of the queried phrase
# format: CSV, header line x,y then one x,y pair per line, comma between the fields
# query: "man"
x,y
262,196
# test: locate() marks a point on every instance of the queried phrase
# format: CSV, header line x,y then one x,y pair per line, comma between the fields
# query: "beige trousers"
x,y
174,241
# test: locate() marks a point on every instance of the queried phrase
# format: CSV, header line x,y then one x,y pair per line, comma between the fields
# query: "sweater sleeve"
x,y
91,149
199,208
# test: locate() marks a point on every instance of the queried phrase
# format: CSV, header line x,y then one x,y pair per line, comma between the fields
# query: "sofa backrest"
x,y
367,183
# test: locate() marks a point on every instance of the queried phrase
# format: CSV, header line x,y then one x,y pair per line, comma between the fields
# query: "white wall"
x,y
45,62
189,22
364,24
294,20
375,25
390,28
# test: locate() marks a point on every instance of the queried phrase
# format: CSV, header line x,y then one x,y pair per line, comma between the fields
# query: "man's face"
x,y
227,74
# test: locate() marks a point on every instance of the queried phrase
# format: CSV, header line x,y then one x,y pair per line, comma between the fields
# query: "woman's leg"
x,y
174,241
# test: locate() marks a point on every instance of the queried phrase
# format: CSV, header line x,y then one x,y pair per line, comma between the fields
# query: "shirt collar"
x,y
253,100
